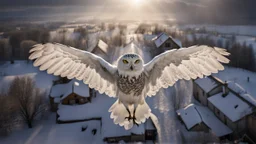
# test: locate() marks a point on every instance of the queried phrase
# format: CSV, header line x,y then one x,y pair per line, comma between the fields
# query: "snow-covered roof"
x,y
97,109
103,46
65,89
194,114
161,39
79,88
109,129
178,42
207,84
190,116
59,90
231,105
237,81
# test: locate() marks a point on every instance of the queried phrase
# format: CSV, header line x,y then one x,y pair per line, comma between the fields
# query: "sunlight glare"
x,y
137,2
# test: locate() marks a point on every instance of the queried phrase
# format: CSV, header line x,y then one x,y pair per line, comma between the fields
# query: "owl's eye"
x,y
125,61
137,61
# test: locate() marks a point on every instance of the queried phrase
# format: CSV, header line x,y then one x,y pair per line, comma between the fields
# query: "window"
x,y
167,44
218,112
82,100
72,102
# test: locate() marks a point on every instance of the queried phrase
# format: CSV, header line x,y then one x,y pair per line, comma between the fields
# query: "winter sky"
x,y
216,10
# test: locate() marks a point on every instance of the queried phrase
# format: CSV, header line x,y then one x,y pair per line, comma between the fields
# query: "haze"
x,y
188,11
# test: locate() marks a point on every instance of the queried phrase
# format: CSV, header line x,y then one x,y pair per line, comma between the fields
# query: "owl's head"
x,y
130,65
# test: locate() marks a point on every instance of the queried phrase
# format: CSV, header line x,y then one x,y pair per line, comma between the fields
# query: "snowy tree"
x,y
30,99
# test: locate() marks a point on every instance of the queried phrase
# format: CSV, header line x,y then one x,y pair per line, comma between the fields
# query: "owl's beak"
x,y
131,68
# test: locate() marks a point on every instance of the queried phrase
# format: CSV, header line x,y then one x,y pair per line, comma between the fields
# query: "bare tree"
x,y
29,98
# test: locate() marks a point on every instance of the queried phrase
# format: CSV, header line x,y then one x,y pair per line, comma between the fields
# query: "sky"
x,y
220,11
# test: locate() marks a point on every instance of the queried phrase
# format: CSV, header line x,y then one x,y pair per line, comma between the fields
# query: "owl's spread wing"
x,y
185,63
69,62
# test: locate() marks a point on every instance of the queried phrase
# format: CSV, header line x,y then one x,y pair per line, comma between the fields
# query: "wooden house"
x,y
200,118
71,93
77,93
164,42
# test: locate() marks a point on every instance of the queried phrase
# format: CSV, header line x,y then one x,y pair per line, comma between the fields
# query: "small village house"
x,y
99,48
229,102
73,92
164,42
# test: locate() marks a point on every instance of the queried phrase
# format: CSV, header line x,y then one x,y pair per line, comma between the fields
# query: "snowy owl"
x,y
130,81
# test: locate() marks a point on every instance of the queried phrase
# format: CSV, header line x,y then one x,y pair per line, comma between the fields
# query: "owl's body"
x,y
131,81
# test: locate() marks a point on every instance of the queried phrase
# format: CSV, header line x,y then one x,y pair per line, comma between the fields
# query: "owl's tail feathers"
x,y
119,114
142,112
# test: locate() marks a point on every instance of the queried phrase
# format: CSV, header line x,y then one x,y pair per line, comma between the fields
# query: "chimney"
x,y
225,89
248,79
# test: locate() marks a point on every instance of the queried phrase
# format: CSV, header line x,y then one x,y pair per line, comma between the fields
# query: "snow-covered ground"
x,y
48,132
224,29
23,68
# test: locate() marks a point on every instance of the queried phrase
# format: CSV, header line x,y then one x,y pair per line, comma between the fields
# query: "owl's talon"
x,y
133,119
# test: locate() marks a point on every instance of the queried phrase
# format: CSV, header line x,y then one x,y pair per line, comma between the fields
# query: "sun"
x,y
138,2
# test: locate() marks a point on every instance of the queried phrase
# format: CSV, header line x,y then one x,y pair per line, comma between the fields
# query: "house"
x,y
205,87
200,118
231,110
73,92
99,48
164,42
229,101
